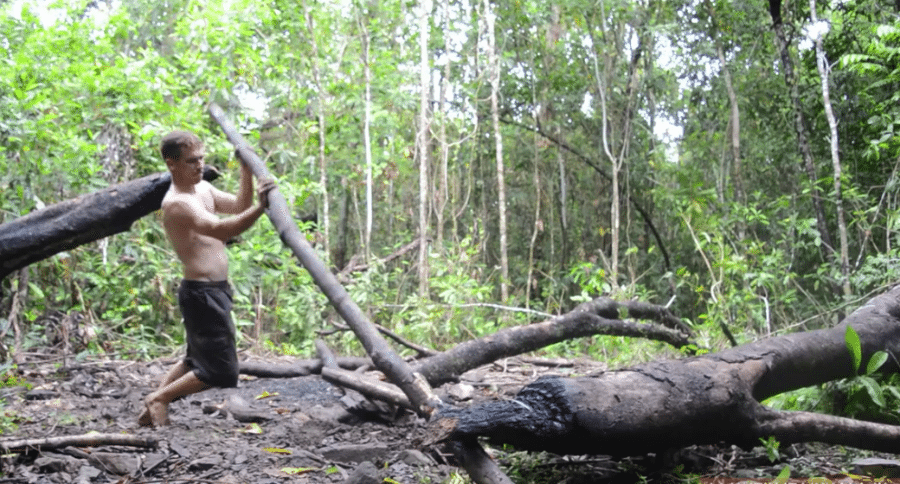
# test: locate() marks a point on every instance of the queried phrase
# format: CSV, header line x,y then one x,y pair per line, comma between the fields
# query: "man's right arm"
x,y
186,215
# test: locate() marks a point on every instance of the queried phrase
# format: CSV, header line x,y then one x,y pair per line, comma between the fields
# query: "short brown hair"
x,y
172,143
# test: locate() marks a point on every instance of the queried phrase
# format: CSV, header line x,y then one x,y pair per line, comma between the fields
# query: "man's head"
x,y
183,152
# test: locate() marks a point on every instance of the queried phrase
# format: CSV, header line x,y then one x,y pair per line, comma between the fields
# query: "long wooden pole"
x,y
395,368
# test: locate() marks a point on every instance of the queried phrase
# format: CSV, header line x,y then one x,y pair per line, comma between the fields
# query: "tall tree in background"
x,y
824,68
735,118
801,126
367,138
493,60
616,131
422,137
320,118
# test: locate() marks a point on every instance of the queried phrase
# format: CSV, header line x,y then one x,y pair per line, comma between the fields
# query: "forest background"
x,y
736,161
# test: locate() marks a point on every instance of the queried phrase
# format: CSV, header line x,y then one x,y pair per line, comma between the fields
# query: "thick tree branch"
x,y
598,317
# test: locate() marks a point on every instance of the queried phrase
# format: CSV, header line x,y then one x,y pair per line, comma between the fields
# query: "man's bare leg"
x,y
176,372
179,382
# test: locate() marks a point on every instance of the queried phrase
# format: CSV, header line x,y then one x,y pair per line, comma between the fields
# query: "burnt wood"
x,y
89,217
709,399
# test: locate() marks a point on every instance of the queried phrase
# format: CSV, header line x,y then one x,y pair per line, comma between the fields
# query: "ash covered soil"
x,y
306,430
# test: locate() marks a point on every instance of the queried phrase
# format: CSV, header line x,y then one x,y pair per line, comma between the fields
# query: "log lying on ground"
x,y
707,399
68,224
597,317
264,369
85,440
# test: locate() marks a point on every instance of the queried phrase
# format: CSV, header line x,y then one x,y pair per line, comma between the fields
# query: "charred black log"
x,y
66,225
709,399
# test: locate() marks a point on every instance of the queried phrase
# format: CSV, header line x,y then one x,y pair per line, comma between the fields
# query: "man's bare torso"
x,y
204,257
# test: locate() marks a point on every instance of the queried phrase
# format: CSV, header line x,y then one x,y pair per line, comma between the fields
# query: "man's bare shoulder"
x,y
179,205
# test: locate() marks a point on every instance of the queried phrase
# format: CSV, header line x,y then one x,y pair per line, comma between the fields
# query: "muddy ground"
x,y
305,430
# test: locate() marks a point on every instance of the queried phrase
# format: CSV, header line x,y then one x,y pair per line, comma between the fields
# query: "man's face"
x,y
188,168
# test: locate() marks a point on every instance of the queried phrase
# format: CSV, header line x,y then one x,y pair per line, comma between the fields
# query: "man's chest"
x,y
206,200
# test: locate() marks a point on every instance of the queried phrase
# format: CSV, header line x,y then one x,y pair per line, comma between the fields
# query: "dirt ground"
x,y
305,430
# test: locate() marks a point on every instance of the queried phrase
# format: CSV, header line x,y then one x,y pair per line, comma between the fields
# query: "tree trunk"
x,y
320,115
494,77
822,65
367,121
707,399
422,145
68,224
800,125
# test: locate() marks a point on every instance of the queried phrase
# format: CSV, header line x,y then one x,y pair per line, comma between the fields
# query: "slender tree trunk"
x,y
367,139
320,115
735,118
422,144
822,65
442,192
538,223
800,126
494,66
614,162
563,203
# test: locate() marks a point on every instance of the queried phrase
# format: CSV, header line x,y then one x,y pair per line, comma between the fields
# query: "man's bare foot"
x,y
156,413
144,418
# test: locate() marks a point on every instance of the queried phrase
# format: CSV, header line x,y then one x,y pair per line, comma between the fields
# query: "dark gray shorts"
x,y
211,350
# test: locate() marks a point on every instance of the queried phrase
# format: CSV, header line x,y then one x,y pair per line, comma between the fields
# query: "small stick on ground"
x,y
85,440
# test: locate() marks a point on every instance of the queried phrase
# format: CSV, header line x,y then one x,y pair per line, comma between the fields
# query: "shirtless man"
x,y
198,237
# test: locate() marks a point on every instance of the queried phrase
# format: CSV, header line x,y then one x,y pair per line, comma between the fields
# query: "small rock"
x,y
461,391
179,449
87,475
151,461
415,458
365,473
332,413
118,464
874,467
50,464
353,453
206,463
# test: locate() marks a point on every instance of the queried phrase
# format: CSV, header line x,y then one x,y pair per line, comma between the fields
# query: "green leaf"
x,y
295,471
876,361
277,450
874,390
852,340
784,475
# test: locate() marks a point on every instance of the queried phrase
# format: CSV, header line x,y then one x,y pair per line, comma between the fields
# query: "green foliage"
x,y
771,445
9,378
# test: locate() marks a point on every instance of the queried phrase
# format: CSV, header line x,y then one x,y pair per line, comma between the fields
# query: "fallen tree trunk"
x,y
93,216
709,399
